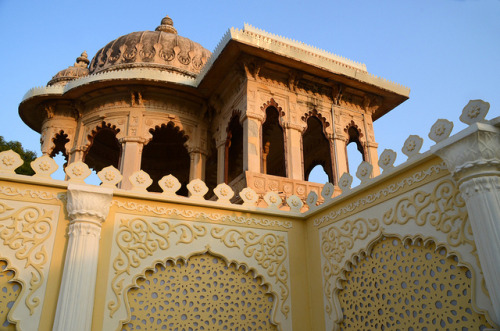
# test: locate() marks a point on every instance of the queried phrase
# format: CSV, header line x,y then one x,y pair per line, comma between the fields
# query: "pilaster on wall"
x,y
473,158
87,207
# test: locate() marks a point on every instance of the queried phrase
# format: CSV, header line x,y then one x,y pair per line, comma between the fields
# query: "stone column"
x,y
221,154
198,161
131,158
340,148
87,207
294,151
252,143
372,157
473,158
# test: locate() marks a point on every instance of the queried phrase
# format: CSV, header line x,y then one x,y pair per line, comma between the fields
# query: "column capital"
x,y
473,152
88,203
132,139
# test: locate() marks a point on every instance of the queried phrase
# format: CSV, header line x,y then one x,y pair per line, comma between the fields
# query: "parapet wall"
x,y
398,251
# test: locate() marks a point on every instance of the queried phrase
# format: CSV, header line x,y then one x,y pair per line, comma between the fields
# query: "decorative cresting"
x,y
408,285
142,242
87,207
161,49
9,292
27,234
435,211
201,293
473,157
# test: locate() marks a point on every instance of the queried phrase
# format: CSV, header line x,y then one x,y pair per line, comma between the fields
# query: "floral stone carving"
x,y
295,203
327,191
249,197
273,200
345,182
224,193
474,111
312,199
364,171
169,184
412,146
197,188
387,159
140,181
9,161
44,166
440,130
109,176
77,172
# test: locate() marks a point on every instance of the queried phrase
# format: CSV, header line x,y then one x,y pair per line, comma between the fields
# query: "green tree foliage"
x,y
27,156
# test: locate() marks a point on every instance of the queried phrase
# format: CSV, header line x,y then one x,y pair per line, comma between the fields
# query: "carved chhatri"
x,y
206,213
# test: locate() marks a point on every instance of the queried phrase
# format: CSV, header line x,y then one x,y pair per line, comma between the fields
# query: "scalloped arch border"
x,y
185,258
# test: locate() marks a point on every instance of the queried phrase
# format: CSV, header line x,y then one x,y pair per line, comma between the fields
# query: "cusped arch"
x,y
372,259
157,125
103,148
180,261
11,288
272,103
315,113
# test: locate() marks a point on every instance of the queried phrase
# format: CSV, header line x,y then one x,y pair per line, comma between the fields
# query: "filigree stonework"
x,y
268,250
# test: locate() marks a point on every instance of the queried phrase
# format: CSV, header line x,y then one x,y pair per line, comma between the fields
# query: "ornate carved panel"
x,y
27,232
141,242
434,211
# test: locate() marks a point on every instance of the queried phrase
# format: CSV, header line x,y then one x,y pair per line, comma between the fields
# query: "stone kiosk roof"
x,y
162,57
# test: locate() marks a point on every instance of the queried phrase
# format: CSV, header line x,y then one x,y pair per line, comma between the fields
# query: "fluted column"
x,y
87,207
473,158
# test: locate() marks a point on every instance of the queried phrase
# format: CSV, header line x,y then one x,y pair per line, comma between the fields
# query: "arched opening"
x,y
234,150
104,149
273,144
60,140
316,148
318,175
355,153
166,154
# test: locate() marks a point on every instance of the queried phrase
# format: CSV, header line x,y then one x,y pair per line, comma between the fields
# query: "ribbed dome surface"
x,y
163,49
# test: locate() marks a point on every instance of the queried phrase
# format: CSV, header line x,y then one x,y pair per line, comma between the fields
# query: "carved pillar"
x,y
372,157
221,154
473,158
131,158
198,162
87,207
294,151
341,151
252,143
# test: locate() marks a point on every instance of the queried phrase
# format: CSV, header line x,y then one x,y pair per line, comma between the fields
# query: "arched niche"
x,y
233,166
166,154
273,143
104,149
316,148
177,293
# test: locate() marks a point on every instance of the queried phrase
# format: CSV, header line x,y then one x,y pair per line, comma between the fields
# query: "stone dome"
x,y
163,49
79,69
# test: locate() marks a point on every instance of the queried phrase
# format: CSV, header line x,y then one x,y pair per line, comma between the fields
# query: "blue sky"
x,y
446,51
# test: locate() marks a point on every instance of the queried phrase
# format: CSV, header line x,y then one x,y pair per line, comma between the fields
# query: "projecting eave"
x,y
32,115
298,56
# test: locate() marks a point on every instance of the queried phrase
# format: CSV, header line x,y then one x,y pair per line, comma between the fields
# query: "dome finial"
x,y
167,25
82,60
